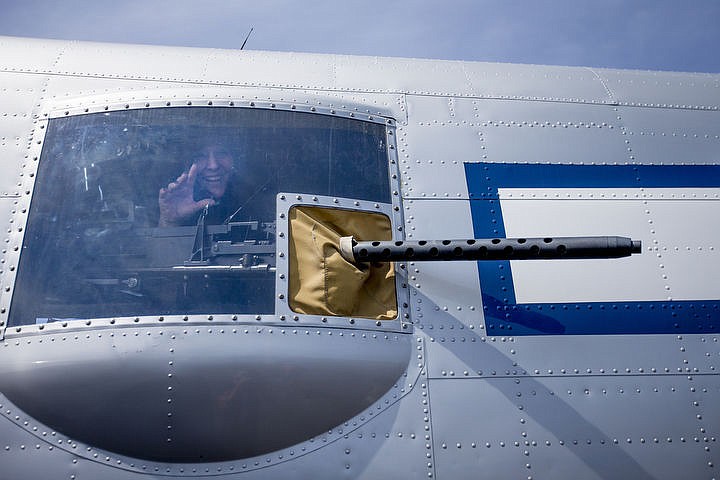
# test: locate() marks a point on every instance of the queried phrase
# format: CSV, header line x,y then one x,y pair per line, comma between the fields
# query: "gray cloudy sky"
x,y
646,34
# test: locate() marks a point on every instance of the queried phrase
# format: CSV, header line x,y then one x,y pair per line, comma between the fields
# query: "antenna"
x,y
246,38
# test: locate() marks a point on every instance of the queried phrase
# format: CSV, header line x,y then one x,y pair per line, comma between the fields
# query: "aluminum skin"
x,y
593,369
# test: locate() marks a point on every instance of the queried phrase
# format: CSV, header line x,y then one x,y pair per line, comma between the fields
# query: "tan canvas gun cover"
x,y
321,281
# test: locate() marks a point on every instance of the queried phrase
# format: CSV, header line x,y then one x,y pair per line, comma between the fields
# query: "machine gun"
x,y
489,249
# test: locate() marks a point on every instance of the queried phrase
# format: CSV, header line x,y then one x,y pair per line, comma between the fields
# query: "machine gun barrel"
x,y
489,249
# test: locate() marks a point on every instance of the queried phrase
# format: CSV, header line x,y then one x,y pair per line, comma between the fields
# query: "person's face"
x,y
214,165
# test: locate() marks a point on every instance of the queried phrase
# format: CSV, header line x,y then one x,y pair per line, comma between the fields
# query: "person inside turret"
x,y
210,182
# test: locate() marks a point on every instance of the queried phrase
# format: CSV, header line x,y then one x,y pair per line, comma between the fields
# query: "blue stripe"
x,y
503,316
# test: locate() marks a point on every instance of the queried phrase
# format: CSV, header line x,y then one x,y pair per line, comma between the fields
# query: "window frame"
x,y
313,104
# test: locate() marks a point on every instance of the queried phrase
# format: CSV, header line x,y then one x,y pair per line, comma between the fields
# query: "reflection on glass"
x,y
172,211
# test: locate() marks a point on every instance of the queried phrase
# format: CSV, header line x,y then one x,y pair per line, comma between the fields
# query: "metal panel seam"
x,y
611,95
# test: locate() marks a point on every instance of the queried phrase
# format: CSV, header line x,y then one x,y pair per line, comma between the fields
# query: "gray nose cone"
x,y
194,394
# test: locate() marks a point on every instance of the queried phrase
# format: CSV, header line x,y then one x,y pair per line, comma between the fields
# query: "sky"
x,y
678,35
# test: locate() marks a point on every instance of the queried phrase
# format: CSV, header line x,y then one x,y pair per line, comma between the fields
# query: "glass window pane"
x,y
172,210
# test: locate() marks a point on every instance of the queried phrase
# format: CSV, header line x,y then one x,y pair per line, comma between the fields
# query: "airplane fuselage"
x,y
138,343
